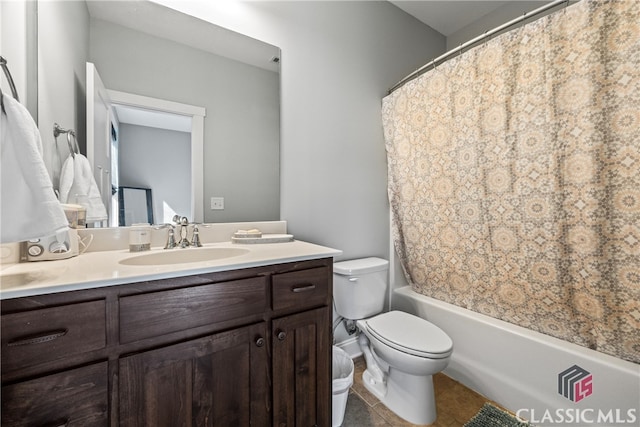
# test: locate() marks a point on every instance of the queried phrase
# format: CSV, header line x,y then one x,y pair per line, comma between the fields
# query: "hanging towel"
x,y
76,178
29,208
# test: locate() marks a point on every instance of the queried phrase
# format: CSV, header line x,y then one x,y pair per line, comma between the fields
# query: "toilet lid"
x,y
410,334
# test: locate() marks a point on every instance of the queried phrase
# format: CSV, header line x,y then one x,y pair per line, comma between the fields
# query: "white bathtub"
x,y
518,368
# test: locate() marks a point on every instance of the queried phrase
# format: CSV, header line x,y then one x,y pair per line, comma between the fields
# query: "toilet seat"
x,y
410,334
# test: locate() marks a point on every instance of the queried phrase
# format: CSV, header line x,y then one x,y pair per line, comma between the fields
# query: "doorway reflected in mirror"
x,y
135,206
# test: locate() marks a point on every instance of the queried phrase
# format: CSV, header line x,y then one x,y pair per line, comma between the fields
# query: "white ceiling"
x,y
157,20
447,17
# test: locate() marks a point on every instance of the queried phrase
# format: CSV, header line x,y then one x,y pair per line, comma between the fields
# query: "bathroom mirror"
x,y
145,49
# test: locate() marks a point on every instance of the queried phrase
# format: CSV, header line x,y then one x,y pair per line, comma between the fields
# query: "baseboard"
x,y
351,346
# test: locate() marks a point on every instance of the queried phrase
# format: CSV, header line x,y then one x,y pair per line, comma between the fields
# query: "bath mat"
x,y
490,416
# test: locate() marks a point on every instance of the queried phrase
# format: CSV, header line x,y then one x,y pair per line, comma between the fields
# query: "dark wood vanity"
x,y
232,348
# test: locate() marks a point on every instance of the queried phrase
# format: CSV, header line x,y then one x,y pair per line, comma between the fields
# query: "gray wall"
x,y
159,159
241,156
338,60
494,19
17,20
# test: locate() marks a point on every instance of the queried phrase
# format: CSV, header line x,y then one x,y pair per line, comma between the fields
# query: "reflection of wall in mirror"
x,y
241,154
159,159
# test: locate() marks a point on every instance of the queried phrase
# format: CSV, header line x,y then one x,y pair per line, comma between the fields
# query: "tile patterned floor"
x,y
455,403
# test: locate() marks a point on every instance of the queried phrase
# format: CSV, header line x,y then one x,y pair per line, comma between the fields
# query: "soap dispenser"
x,y
140,238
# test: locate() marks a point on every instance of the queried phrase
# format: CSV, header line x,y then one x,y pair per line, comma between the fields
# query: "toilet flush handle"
x,y
353,279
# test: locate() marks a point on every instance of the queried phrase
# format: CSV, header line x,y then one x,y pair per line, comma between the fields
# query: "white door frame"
x,y
197,115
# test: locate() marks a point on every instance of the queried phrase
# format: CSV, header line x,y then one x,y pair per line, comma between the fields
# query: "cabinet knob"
x,y
260,341
281,335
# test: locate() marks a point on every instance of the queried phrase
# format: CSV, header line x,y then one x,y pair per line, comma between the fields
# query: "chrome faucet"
x,y
171,239
183,222
183,241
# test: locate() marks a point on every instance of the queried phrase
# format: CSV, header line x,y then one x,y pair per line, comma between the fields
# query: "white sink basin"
x,y
182,256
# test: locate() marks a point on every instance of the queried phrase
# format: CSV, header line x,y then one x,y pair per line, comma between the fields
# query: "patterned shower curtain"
x,y
514,177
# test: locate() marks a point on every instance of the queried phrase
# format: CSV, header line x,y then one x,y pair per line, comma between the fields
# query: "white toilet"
x,y
402,351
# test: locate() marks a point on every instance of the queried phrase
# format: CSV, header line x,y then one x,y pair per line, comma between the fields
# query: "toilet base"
x,y
409,396
376,387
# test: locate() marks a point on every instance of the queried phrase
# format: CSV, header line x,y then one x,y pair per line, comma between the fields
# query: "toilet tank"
x,y
359,287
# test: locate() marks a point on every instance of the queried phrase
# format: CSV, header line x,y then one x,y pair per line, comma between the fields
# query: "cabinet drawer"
x,y
301,289
77,397
158,313
37,336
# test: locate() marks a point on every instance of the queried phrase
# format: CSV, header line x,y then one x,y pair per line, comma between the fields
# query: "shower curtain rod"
x,y
482,37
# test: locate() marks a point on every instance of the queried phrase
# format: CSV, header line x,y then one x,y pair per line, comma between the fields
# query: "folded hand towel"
x,y
76,178
29,208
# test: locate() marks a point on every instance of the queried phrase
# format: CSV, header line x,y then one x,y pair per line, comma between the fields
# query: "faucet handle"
x,y
171,238
180,220
195,239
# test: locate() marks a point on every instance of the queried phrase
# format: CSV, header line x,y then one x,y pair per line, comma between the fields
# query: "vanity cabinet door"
x,y
302,369
218,380
77,397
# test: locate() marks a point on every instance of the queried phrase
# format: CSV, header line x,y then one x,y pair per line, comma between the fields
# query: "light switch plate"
x,y
217,203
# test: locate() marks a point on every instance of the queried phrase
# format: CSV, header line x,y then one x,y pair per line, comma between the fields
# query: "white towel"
x,y
29,208
76,178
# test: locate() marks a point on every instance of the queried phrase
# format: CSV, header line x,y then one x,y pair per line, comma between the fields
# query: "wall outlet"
x,y
217,203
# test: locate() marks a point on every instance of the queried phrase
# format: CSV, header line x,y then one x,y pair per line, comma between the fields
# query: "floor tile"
x,y
455,403
361,414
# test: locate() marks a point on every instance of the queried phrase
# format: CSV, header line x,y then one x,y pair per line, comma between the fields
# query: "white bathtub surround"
x,y
519,368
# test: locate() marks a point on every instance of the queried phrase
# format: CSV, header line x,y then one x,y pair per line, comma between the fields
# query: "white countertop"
x,y
98,269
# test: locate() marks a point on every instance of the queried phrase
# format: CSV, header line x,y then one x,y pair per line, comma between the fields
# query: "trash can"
x,y
342,379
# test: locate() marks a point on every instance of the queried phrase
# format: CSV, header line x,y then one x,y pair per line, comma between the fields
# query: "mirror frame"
x,y
197,115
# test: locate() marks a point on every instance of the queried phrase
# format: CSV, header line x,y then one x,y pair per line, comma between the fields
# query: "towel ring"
x,y
73,148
